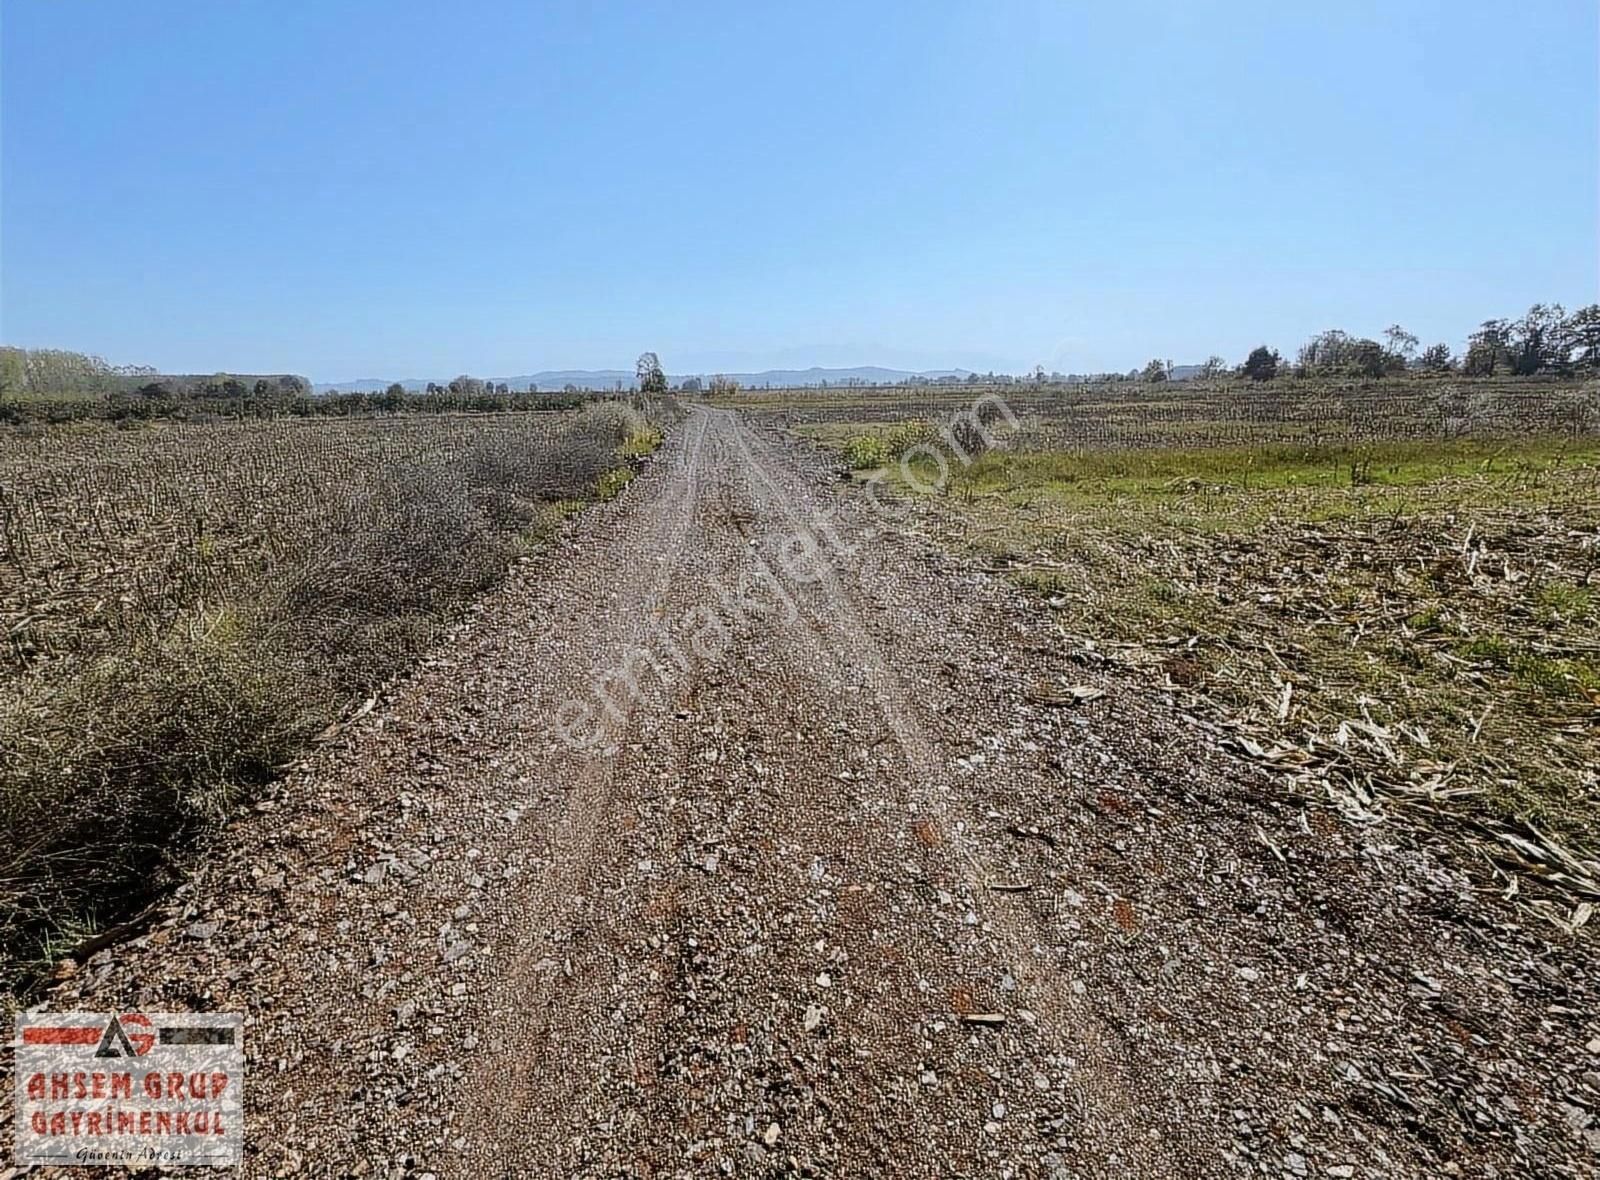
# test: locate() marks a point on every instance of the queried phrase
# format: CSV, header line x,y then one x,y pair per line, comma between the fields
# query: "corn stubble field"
x,y
1386,594
184,607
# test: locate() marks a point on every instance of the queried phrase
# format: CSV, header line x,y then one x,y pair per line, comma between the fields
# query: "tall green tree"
x,y
1583,334
1488,349
1262,364
13,371
1336,352
1539,340
1435,358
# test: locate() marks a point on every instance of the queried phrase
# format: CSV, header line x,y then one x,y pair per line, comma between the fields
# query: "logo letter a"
x,y
115,1043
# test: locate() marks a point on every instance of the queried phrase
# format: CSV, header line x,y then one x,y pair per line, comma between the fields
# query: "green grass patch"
x,y
1167,474
610,485
1559,602
640,442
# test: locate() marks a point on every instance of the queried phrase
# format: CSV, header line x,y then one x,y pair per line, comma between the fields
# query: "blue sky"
x,y
419,189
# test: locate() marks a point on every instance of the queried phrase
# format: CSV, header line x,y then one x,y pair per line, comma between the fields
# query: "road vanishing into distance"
x,y
745,831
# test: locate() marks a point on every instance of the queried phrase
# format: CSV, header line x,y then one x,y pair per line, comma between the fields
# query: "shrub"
x,y
868,451
106,776
902,436
865,452
969,437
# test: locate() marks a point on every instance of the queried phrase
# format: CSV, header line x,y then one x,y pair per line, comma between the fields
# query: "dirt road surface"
x,y
848,883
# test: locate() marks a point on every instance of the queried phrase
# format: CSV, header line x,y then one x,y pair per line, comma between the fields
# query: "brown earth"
x,y
853,884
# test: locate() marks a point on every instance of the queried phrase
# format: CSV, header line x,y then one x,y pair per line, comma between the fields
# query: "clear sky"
x,y
398,189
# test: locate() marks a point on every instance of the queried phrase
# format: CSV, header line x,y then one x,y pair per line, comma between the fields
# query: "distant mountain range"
x,y
555,380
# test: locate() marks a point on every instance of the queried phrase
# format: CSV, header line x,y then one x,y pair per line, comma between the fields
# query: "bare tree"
x,y
649,373
57,370
1401,343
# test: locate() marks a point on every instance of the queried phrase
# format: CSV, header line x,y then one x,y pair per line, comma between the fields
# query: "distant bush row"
x,y
123,408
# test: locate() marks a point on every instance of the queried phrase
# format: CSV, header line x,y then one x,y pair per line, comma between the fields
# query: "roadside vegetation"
x,y
184,608
1408,627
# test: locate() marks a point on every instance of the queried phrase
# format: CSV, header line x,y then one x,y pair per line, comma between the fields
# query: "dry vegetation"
x,y
1409,627
184,607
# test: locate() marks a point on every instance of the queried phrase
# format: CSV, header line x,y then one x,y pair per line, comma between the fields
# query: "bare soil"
x,y
870,881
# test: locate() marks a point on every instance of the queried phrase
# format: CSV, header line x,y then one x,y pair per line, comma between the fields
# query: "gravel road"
x,y
704,849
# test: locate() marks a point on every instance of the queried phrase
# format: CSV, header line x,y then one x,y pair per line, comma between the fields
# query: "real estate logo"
x,y
132,1088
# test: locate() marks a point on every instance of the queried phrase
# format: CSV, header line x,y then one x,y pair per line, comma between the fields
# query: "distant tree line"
x,y
55,370
1545,340
59,385
52,385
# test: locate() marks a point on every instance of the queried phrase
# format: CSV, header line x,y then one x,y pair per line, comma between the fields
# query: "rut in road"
x,y
828,890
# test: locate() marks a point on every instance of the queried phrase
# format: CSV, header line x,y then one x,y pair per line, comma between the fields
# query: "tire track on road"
x,y
1072,1026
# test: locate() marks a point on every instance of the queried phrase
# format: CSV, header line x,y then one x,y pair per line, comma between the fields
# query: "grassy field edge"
x,y
1409,628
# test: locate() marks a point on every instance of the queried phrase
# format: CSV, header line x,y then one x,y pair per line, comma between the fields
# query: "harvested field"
x,y
184,606
106,533
1222,414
